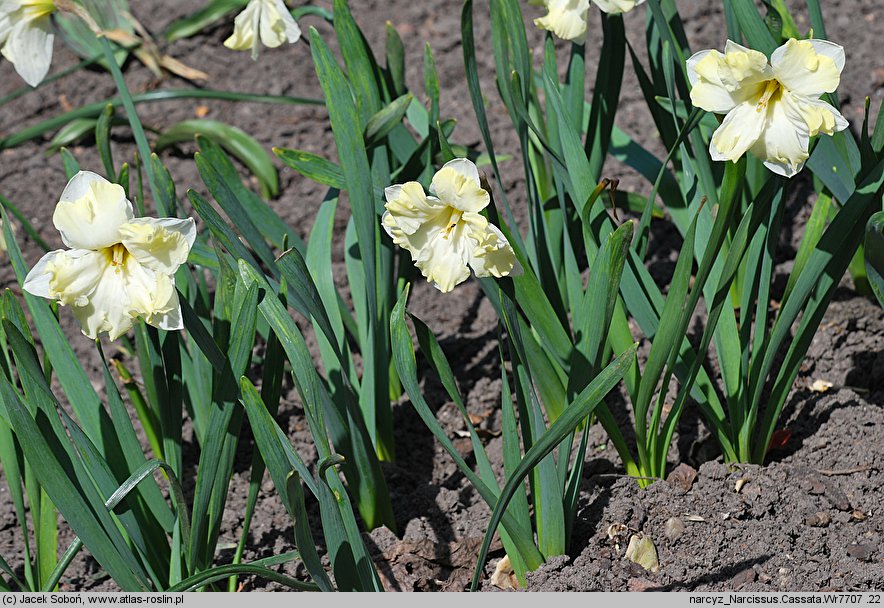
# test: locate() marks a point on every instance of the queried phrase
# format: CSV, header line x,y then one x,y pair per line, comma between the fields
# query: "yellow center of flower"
x,y
117,254
453,219
772,91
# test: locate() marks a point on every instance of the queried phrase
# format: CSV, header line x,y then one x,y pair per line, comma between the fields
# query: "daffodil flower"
x,y
445,233
26,36
567,18
773,108
266,20
119,267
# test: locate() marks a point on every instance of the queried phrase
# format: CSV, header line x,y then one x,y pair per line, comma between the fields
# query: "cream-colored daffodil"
x,y
267,21
26,36
119,267
445,233
567,18
773,108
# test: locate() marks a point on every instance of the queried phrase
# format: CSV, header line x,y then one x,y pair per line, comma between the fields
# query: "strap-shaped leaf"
x,y
579,409
406,366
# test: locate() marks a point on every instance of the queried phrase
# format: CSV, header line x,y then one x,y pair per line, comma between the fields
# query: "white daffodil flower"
x,y
26,36
567,18
266,20
773,108
445,233
119,267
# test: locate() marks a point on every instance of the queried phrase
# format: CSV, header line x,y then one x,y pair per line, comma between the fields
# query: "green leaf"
x,y
303,536
71,133
192,24
102,139
236,141
351,154
252,215
93,110
219,573
313,166
874,254
576,412
406,366
347,427
41,445
753,27
385,120
395,51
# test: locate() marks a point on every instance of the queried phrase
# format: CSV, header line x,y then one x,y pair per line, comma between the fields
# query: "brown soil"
x,y
769,539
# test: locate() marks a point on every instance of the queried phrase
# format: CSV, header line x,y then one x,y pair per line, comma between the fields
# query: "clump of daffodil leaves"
x,y
568,324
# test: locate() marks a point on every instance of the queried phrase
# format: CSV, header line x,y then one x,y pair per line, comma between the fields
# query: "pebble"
x,y
682,477
673,529
862,552
820,519
837,497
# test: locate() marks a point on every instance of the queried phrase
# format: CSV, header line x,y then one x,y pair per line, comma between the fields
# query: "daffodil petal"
x,y
566,19
616,7
277,24
159,244
720,82
29,48
494,256
170,319
808,67
408,207
443,259
151,293
819,116
108,308
245,28
91,211
784,143
6,24
70,277
457,184
738,132
265,21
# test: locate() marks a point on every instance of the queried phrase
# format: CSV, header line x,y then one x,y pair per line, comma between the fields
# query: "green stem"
x,y
134,122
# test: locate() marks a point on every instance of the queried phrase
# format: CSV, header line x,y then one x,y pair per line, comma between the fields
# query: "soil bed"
x,y
809,520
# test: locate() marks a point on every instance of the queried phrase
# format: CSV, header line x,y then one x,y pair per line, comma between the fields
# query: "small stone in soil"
x,y
837,497
858,515
682,477
861,552
673,529
820,519
813,485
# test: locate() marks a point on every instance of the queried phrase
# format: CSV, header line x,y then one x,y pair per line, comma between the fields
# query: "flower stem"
x,y
134,122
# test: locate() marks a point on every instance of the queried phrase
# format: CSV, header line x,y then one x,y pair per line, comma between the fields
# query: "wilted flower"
x,y
567,18
119,267
26,36
773,108
266,20
445,233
